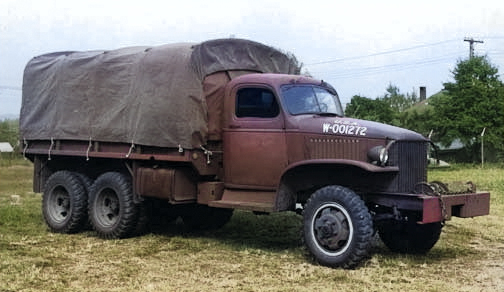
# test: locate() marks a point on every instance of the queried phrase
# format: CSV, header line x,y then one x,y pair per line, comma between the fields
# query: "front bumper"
x,y
436,208
458,205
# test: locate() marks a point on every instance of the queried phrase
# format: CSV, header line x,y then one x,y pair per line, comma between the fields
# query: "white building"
x,y
5,147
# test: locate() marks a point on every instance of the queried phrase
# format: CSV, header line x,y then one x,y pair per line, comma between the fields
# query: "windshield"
x,y
310,99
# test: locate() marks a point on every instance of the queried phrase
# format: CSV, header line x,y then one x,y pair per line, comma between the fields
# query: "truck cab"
x,y
287,134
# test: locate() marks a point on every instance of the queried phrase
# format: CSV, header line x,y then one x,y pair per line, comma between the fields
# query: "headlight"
x,y
378,155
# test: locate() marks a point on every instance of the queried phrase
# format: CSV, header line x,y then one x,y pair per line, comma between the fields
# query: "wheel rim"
x,y
59,206
107,207
332,229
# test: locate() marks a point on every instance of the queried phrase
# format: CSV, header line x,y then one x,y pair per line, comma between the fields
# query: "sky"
x,y
360,47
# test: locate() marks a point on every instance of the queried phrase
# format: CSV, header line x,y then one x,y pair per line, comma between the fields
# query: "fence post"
x,y
482,149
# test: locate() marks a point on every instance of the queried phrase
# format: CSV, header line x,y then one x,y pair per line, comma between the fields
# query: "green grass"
x,y
250,253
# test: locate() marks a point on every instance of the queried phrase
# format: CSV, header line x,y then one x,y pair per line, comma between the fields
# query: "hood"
x,y
343,126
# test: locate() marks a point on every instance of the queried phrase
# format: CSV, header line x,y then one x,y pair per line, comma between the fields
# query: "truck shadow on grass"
x,y
454,244
279,232
274,232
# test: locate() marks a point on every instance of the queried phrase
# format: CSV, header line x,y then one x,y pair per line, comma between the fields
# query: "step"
x,y
242,205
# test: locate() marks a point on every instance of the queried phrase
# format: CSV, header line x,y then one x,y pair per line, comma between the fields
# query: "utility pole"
x,y
471,45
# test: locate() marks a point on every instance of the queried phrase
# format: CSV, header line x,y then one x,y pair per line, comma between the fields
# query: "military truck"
x,y
221,125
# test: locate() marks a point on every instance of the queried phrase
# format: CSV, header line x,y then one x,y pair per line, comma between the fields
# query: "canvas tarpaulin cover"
x,y
143,95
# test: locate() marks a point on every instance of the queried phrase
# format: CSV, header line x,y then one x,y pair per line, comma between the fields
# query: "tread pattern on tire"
x,y
409,237
121,185
88,183
77,193
361,220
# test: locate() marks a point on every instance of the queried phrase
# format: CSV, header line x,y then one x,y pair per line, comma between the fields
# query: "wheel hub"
x,y
60,206
108,210
331,228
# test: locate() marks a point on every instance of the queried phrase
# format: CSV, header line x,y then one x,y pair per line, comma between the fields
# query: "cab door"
x,y
254,139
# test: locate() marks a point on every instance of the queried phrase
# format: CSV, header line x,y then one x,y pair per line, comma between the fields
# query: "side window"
x,y
256,103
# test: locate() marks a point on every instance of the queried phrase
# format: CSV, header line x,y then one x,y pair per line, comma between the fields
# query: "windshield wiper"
x,y
326,114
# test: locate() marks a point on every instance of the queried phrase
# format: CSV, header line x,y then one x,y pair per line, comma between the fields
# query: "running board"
x,y
246,200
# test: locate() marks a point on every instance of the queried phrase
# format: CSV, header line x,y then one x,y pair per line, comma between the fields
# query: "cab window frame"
x,y
256,102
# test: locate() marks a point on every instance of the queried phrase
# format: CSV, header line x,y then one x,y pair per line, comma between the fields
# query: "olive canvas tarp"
x,y
143,95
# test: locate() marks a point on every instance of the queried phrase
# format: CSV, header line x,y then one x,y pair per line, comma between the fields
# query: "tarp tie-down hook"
x,y
50,149
88,149
25,147
131,149
207,152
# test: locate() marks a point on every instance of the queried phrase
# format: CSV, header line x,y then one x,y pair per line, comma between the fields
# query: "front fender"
x,y
300,179
343,162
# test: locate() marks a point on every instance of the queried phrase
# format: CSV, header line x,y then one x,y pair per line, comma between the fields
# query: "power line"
x,y
386,68
382,53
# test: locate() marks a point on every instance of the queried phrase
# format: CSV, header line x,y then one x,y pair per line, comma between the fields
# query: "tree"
x,y
398,101
370,109
474,101
417,119
9,131
385,109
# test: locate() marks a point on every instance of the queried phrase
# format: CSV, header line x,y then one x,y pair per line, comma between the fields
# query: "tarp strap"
x,y
50,149
131,149
88,149
25,147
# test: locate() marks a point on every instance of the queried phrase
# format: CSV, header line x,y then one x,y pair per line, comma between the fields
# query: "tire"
x,y
201,217
142,224
112,210
87,183
161,212
337,227
85,180
409,237
64,202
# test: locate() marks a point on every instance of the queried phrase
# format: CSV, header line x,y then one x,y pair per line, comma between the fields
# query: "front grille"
x,y
346,148
411,158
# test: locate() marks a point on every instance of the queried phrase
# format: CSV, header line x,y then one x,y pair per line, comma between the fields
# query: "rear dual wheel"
x,y
112,210
69,197
64,202
115,214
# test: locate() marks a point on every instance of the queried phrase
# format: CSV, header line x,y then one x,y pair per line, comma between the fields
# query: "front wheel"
x,y
409,237
337,227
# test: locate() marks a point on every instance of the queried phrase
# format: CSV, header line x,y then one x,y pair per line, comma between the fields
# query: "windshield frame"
x,y
295,105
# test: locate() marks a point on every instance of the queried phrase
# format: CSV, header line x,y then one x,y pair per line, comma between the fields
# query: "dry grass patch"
x,y
251,253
